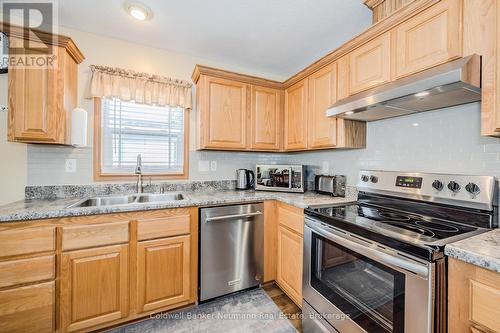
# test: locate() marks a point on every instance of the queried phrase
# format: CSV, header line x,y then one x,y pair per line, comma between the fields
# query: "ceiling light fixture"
x,y
422,94
348,113
138,11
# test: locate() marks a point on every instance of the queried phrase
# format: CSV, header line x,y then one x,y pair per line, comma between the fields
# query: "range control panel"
x,y
478,191
408,181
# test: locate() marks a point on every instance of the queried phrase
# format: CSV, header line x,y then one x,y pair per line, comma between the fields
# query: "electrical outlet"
x,y
213,166
70,165
203,166
326,168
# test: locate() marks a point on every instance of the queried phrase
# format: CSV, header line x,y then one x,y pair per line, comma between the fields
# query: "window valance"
x,y
128,85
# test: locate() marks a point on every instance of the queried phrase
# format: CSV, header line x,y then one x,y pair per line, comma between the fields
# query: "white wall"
x,y
13,157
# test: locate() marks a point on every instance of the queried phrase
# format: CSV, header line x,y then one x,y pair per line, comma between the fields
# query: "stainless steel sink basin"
x,y
159,197
127,200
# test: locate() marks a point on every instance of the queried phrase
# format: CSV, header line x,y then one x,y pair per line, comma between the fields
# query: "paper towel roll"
x,y
79,127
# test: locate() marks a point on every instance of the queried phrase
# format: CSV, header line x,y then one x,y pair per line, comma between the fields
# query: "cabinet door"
x,y
428,39
266,118
33,103
296,116
224,112
94,287
370,64
289,274
322,94
163,272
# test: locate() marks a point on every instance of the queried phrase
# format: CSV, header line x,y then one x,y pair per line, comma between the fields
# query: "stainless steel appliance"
x,y
454,83
377,265
332,185
245,179
231,249
284,178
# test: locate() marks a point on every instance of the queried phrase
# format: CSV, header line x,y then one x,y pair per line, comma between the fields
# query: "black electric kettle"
x,y
245,179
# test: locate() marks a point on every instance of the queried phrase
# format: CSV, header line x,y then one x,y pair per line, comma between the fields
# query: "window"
x,y
126,129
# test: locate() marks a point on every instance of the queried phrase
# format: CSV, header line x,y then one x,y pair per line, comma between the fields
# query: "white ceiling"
x,y
277,37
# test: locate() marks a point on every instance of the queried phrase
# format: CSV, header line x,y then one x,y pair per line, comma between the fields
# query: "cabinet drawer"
x,y
15,272
27,240
84,236
163,227
291,217
28,309
484,301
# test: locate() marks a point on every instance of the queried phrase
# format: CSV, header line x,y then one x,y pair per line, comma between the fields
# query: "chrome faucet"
x,y
138,172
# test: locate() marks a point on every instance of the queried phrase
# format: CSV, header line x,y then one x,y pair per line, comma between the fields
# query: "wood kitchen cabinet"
x,y
41,99
473,298
322,94
429,38
163,272
94,287
266,118
289,251
370,64
223,113
296,114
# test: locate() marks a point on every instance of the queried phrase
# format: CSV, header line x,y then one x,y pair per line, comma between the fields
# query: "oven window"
x,y
371,294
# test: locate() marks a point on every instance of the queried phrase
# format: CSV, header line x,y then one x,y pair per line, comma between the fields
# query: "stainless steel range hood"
x,y
454,83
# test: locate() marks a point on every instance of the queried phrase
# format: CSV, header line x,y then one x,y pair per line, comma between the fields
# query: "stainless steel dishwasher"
x,y
231,249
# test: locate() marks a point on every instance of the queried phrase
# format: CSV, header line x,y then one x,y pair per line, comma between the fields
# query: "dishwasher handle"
x,y
235,216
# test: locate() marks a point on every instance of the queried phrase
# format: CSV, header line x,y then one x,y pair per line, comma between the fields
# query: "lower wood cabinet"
x,y
289,273
28,308
94,287
473,298
163,272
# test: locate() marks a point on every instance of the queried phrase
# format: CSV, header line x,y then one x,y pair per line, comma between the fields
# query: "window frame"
x,y
97,163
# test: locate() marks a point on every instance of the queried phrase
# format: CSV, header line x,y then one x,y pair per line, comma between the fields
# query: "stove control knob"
x,y
365,178
472,188
454,187
438,185
374,179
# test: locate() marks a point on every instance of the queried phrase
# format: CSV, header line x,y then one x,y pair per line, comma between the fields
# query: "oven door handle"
x,y
400,263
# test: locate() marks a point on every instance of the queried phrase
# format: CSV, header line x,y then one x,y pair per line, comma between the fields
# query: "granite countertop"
x,y
36,209
482,250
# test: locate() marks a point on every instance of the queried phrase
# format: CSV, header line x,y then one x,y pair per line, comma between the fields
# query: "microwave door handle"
x,y
384,258
290,177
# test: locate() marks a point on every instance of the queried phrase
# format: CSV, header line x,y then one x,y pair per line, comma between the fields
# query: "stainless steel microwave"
x,y
284,178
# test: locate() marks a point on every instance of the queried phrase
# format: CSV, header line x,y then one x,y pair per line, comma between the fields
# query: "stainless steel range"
x,y
378,265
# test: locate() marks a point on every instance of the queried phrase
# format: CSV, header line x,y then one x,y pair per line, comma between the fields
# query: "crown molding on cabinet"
x,y
45,37
220,73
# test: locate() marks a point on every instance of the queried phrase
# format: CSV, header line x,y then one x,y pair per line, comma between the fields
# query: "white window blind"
x,y
129,129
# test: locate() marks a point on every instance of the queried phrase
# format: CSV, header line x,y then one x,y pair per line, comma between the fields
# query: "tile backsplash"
x,y
445,141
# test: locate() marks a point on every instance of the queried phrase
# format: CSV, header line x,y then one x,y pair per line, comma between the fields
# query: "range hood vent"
x,y
454,83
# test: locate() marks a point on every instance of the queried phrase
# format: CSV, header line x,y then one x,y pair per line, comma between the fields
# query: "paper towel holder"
x,y
79,127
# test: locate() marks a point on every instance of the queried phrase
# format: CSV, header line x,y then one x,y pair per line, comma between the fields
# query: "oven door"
x,y
359,286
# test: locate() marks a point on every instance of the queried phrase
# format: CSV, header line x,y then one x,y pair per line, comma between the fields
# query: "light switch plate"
x,y
203,166
70,165
213,166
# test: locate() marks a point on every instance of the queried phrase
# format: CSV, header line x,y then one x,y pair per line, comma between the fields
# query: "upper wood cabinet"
x,y
370,64
223,113
428,39
163,272
266,118
41,99
237,112
296,114
94,287
322,94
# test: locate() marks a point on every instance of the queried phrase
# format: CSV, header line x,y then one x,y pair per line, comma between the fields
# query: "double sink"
x,y
127,200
